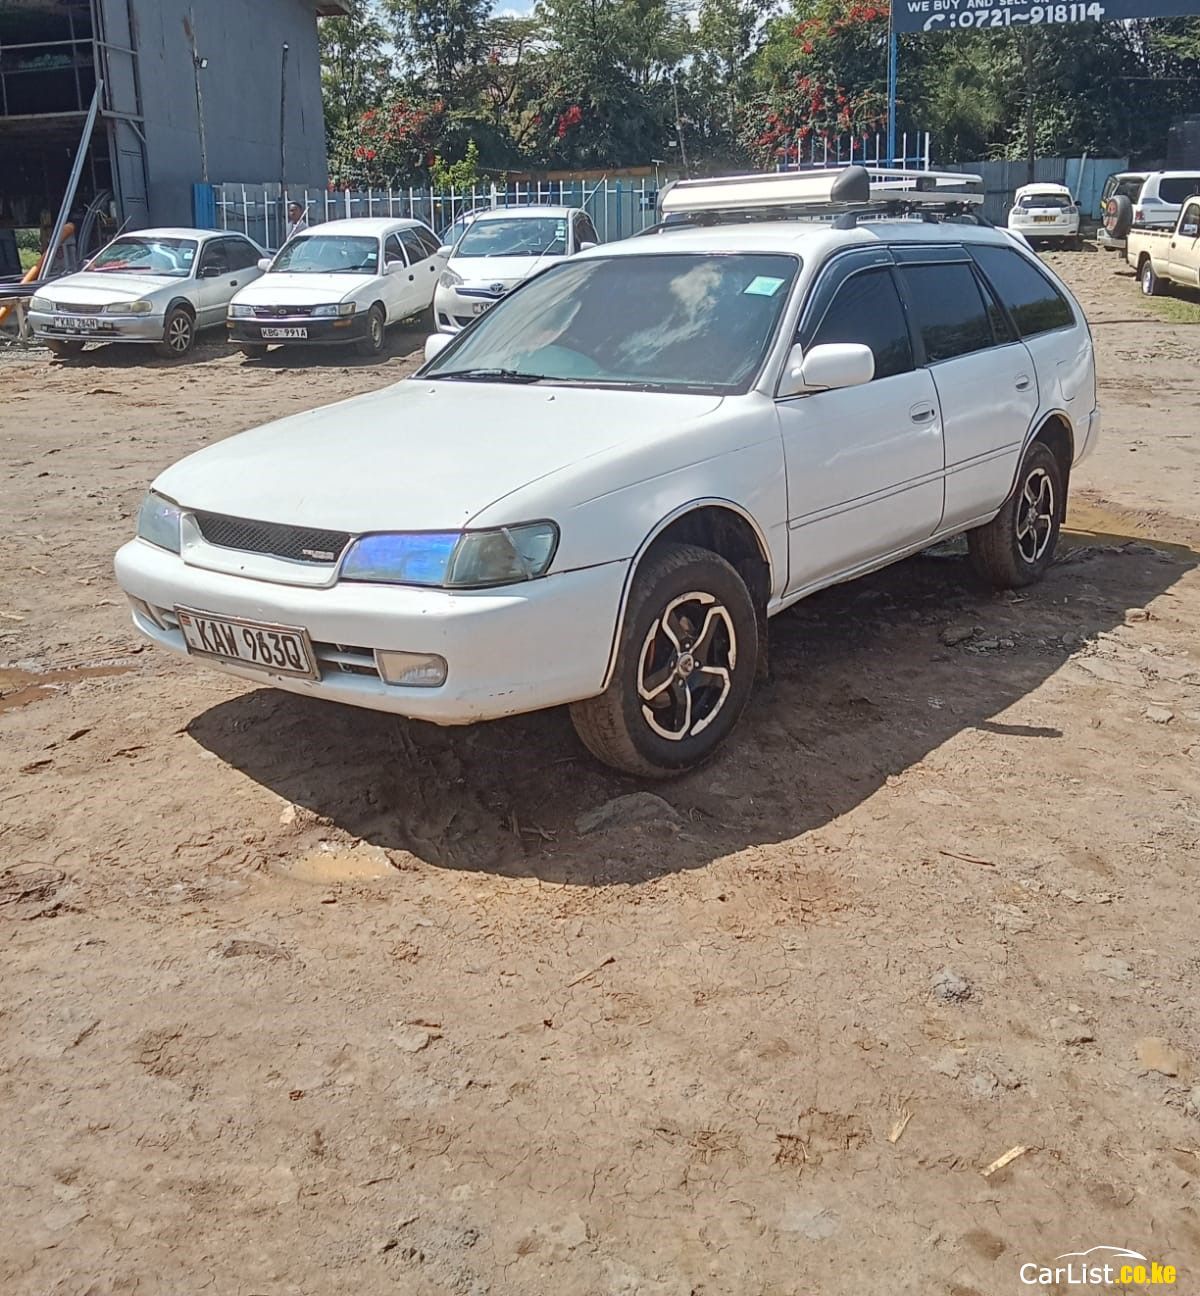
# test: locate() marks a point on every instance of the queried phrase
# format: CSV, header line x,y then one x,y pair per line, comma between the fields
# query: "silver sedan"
x,y
159,286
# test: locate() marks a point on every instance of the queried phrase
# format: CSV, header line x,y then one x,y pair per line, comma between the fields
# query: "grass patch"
x,y
1181,307
29,258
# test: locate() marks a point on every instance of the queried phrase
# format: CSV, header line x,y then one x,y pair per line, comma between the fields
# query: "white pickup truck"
x,y
1165,257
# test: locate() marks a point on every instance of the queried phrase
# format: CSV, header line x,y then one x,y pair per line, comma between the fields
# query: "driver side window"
x,y
1189,227
214,257
393,253
866,309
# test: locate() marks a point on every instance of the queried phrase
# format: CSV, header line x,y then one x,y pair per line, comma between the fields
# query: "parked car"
x,y
454,231
1124,184
1045,211
599,493
344,281
500,249
1157,205
1165,257
157,287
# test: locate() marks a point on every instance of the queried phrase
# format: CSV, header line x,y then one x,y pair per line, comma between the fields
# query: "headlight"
x,y
158,522
334,308
129,308
239,310
453,559
41,304
449,279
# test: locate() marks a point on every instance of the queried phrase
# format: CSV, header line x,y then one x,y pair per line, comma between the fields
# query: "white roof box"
x,y
835,189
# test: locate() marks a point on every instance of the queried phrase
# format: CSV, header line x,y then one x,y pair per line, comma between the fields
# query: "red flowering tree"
x,y
826,77
396,143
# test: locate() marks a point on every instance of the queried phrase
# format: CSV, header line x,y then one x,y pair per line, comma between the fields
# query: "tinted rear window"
x,y
1033,301
948,309
1176,189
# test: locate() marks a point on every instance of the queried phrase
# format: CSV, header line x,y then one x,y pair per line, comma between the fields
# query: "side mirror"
x,y
586,247
264,263
392,264
436,343
445,249
827,368
211,272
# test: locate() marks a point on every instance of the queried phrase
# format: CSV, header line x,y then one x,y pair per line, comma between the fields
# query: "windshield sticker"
x,y
763,286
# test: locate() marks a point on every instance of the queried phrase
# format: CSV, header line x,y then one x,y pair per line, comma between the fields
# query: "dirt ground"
x,y
300,1000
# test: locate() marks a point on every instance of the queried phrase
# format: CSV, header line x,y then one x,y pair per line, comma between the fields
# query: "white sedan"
x,y
501,248
1045,211
600,492
344,281
157,286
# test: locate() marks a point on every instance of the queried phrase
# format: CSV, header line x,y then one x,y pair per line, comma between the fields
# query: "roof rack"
x,y
890,191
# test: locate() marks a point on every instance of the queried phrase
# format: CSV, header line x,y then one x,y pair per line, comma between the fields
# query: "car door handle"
x,y
1024,382
411,278
922,413
233,283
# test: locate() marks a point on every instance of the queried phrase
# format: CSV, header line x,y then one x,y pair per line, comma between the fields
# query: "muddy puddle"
x,y
19,688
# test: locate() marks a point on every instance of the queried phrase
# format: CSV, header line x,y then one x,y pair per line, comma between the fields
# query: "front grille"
x,y
300,544
77,308
281,312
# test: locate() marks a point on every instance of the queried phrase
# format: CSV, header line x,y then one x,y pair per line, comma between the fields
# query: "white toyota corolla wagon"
x,y
600,492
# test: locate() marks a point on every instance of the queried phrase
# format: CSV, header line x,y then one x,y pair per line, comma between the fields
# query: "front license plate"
x,y
279,650
77,323
285,332
479,307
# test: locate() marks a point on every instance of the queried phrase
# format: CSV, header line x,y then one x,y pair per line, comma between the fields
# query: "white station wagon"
x,y
599,493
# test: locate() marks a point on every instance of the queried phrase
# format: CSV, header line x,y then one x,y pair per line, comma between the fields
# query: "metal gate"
x,y
116,63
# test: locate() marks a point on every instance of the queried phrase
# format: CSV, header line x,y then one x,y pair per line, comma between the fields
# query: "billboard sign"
x,y
1002,15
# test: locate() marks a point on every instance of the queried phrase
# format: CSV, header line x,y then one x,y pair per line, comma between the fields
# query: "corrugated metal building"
x,y
192,91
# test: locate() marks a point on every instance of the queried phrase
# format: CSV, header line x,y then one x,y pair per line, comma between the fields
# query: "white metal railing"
x,y
913,152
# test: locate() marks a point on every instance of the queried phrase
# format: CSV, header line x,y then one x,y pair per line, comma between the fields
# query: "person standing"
x,y
297,220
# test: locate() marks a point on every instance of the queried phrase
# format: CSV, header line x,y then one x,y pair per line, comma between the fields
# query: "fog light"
x,y
417,670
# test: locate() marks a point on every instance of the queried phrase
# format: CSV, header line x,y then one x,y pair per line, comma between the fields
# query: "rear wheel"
x,y
372,343
1017,546
685,666
62,348
1152,285
179,332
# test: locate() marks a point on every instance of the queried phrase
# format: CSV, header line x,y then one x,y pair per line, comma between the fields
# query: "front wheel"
x,y
685,666
179,332
1151,284
1017,546
372,343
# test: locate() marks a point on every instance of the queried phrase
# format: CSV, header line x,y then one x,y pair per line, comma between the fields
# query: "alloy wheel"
x,y
1035,515
179,334
685,669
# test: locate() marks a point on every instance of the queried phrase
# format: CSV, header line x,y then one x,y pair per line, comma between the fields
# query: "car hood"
x,y
508,271
99,287
300,289
418,456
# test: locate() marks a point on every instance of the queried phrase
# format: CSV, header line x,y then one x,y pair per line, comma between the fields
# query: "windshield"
x,y
1046,201
145,255
671,321
329,254
514,236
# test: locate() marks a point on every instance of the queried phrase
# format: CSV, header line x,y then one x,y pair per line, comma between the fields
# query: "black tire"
x,y
711,616
1118,216
252,352
64,348
179,334
1152,285
1017,546
372,344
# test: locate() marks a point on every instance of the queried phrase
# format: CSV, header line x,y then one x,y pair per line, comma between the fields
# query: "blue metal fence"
x,y
1084,177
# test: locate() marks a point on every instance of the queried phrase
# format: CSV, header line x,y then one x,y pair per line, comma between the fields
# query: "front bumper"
x,y
320,330
49,327
455,308
509,650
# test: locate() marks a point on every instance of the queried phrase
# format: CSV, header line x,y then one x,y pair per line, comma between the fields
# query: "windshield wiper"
x,y
491,375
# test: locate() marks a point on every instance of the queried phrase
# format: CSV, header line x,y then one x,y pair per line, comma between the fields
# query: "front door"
x,y
1184,258
865,464
216,282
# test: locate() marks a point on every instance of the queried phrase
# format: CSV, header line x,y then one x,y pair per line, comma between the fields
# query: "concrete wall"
x,y
242,41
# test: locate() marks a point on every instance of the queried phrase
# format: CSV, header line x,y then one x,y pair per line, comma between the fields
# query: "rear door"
x,y
986,385
423,269
1184,256
865,464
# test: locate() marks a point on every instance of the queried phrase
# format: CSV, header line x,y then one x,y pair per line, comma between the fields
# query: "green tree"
x,y
444,39
356,67
721,76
